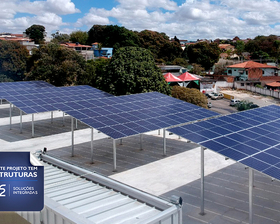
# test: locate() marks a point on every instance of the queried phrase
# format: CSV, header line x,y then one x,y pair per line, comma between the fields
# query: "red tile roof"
x,y
273,84
251,64
75,45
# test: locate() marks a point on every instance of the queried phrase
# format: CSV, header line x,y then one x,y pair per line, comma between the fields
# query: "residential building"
x,y
251,71
226,47
21,39
103,52
85,50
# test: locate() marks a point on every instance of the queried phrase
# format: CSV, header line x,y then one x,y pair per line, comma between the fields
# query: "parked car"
x,y
217,96
209,94
253,105
233,102
209,104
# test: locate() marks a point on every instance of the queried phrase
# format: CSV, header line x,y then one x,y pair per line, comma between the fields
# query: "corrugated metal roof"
x,y
92,201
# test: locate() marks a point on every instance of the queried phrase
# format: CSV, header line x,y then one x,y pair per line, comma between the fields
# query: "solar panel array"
x,y
250,137
39,100
7,86
117,117
128,115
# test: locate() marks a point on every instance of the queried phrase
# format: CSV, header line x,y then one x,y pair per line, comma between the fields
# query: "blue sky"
x,y
186,19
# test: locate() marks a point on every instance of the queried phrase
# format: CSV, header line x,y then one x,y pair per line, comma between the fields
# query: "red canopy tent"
x,y
188,77
169,77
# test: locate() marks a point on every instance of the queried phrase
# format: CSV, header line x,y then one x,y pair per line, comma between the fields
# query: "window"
x,y
262,71
242,84
229,71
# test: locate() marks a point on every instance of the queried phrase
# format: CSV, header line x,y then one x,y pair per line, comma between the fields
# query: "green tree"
x,y
4,78
204,54
160,45
60,37
112,36
133,70
190,95
36,33
180,61
95,70
79,37
13,57
56,64
240,47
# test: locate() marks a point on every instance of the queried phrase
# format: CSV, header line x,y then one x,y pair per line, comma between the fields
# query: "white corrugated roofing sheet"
x,y
91,201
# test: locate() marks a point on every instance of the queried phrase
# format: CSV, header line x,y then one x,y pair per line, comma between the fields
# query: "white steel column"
x,y
20,111
202,181
91,146
32,125
63,118
76,124
251,185
72,130
52,117
141,142
164,142
158,131
115,155
10,116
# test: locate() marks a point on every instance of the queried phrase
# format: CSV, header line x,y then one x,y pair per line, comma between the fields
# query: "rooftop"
x,y
251,64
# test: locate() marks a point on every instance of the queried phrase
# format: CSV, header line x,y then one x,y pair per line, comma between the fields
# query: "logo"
x,y
2,190
21,183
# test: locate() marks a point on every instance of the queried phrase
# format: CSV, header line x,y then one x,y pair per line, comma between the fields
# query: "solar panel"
x,y
141,111
250,137
21,85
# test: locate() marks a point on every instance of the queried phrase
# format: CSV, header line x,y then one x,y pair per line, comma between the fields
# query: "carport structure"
x,y
116,116
250,137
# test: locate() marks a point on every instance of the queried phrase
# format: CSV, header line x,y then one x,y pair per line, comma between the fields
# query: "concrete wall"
x,y
266,92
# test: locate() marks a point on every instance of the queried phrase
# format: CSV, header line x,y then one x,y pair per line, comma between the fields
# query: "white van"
x,y
233,102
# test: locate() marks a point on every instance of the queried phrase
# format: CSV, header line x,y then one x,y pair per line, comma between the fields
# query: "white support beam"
x,y
141,142
63,120
114,155
10,116
202,181
164,142
251,185
52,117
76,124
72,130
91,145
33,131
20,112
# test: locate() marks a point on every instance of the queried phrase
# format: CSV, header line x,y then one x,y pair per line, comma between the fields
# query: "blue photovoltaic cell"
x,y
215,146
268,141
238,137
274,152
226,141
194,137
246,149
273,172
257,145
255,164
230,153
267,158
249,134
232,127
220,130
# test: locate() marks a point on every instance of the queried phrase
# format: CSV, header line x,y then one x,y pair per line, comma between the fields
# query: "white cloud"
x,y
47,13
60,7
191,19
